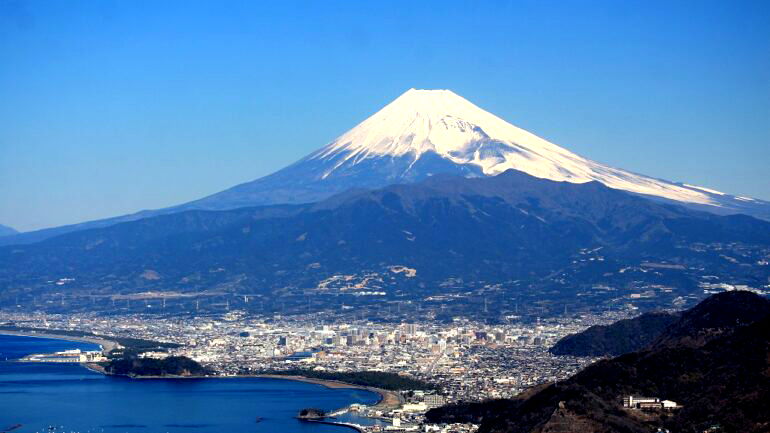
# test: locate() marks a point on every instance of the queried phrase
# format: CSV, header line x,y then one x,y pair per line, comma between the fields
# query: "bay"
x,y
74,399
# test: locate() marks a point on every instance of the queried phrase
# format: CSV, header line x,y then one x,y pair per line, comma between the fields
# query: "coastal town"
x,y
465,360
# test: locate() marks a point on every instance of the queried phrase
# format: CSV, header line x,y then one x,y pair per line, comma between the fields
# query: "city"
x,y
468,361
495,216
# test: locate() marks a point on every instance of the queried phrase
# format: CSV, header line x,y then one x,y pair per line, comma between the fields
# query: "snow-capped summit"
x,y
444,123
425,132
422,121
439,121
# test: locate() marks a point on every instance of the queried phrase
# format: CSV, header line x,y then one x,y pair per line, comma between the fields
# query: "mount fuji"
x,y
425,132
420,134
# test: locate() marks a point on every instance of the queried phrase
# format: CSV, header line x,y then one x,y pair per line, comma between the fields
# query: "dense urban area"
x,y
463,360
414,366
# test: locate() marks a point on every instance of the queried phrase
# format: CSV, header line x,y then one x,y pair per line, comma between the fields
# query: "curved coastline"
x,y
388,400
336,424
265,385
102,343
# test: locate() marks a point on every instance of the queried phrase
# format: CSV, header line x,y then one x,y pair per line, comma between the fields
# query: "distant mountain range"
x,y
420,134
512,232
713,361
7,231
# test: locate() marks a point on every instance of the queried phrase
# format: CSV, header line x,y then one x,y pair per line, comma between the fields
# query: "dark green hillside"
x,y
719,377
621,337
532,236
171,366
719,314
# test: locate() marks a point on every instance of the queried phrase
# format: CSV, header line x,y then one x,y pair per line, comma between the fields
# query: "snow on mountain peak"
x,y
440,121
444,123
419,121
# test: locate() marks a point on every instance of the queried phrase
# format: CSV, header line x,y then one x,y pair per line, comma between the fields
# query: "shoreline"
x,y
336,424
388,400
105,345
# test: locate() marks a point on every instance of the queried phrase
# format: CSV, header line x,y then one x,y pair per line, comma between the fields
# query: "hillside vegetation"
x,y
621,337
714,360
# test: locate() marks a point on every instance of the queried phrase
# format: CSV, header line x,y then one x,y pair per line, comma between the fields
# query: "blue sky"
x,y
111,107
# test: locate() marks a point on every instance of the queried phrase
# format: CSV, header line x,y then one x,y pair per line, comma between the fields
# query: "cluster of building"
x,y
648,403
471,361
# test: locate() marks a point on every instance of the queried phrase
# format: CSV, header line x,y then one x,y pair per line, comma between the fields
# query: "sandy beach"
x,y
388,399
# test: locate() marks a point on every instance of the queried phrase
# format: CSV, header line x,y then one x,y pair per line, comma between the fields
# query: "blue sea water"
x,y
74,399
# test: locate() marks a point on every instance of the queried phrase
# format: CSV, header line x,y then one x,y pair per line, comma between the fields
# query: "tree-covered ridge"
x,y
504,228
621,337
171,366
720,378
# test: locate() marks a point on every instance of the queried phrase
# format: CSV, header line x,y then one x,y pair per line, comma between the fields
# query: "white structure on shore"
x,y
67,356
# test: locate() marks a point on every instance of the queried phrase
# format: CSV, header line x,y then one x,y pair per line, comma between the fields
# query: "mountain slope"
x,y
7,231
715,316
424,132
722,380
488,230
418,135
621,337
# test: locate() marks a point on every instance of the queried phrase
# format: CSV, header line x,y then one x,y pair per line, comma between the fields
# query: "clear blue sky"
x,y
111,107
